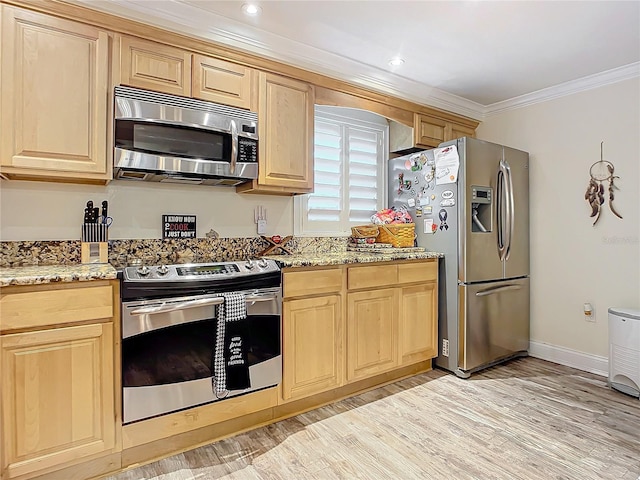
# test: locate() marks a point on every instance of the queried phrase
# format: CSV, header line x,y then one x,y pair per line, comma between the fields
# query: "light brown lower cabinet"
x,y
312,346
346,329
389,321
418,323
59,387
372,332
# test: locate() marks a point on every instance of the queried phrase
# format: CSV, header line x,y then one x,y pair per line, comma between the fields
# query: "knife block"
x,y
94,252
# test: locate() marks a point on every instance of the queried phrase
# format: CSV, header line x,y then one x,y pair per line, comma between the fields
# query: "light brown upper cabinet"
x,y
431,131
155,66
54,111
457,131
223,82
162,68
285,126
428,131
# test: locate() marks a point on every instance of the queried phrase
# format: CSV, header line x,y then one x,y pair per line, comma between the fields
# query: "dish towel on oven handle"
x,y
230,362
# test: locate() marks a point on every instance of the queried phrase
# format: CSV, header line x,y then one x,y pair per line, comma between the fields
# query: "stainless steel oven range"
x,y
169,325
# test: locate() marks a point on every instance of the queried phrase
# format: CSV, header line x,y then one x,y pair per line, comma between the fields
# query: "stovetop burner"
x,y
198,271
161,280
150,260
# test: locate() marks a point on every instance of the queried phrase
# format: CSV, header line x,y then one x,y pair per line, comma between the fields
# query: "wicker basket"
x,y
364,231
397,234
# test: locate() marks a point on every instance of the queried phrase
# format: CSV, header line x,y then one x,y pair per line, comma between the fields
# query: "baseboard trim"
x,y
571,358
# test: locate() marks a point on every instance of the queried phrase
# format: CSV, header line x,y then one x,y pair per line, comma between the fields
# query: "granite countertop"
x,y
34,275
340,258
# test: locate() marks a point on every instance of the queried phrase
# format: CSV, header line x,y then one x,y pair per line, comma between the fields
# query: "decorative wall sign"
x,y
178,226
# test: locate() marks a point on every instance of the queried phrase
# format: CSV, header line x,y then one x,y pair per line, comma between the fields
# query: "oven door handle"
x,y
164,308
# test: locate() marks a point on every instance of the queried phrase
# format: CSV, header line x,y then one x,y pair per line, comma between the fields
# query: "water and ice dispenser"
x,y
481,209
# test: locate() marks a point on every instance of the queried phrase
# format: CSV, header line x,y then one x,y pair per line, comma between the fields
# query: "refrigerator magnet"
x,y
428,225
411,202
418,211
442,214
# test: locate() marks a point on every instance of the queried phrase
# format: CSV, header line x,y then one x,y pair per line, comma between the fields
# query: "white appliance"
x,y
478,216
624,350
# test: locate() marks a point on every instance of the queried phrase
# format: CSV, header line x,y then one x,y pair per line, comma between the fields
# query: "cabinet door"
x,y
154,66
54,97
428,131
457,131
418,323
372,332
222,82
285,123
57,396
312,339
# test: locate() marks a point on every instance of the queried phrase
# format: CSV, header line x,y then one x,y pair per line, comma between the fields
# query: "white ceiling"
x,y
471,57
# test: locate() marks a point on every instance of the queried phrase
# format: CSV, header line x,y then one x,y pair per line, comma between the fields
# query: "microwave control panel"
x,y
247,150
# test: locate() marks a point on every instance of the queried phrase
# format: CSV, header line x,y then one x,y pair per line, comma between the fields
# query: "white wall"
x,y
573,262
54,211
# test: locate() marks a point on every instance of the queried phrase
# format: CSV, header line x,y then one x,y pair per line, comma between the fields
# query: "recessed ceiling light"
x,y
396,61
251,9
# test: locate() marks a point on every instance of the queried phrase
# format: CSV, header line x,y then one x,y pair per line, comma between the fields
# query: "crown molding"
x,y
190,20
590,82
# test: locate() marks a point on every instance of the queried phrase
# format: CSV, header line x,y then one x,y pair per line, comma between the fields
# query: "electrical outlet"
x,y
589,315
262,227
445,347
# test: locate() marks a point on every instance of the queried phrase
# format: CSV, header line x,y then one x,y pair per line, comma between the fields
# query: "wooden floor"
x,y
527,419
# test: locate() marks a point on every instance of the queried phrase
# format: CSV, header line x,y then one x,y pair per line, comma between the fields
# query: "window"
x,y
350,155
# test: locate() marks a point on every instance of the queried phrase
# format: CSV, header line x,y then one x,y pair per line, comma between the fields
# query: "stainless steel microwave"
x,y
166,138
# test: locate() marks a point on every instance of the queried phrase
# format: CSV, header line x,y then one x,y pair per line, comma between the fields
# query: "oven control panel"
x,y
199,271
215,269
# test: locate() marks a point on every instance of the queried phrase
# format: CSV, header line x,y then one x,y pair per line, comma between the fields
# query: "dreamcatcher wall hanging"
x,y
601,172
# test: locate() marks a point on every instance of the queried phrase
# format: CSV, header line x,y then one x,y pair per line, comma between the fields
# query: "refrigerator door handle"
x,y
501,211
510,208
491,291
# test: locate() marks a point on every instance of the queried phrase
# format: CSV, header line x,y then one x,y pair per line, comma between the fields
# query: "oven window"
x,y
185,352
171,140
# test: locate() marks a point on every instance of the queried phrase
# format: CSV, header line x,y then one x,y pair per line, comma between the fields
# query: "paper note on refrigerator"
x,y
447,164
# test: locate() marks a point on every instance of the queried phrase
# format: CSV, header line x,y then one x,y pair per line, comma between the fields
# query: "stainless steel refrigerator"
x,y
480,222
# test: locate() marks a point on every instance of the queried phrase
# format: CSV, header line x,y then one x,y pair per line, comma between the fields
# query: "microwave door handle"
x,y
234,146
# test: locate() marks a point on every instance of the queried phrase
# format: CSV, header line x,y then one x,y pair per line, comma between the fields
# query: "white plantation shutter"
x,y
348,175
325,205
364,146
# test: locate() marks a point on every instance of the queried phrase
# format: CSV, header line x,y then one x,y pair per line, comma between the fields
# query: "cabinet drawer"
x,y
418,272
312,282
51,307
372,276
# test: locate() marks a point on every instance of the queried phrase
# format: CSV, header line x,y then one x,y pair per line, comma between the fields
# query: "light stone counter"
x,y
34,275
340,258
